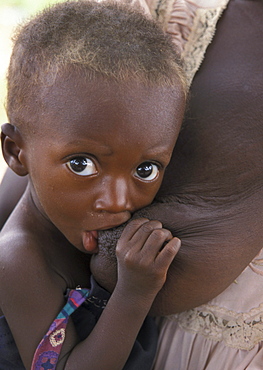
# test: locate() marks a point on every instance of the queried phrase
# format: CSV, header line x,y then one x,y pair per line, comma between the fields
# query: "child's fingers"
x,y
155,241
137,232
146,230
167,253
132,227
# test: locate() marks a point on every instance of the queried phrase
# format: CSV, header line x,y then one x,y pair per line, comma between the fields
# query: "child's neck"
x,y
67,262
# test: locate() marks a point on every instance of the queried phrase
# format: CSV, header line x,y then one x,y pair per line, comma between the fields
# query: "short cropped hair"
x,y
108,38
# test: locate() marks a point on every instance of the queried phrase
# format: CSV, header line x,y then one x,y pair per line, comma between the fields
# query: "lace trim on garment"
x,y
238,330
241,330
200,37
192,26
257,265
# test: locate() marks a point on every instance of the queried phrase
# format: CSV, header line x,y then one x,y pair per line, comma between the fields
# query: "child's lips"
x,y
90,241
90,238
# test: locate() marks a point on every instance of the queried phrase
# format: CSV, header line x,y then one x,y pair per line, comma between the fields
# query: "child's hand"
x,y
143,259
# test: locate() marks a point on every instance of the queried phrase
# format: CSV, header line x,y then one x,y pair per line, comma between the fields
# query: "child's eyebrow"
x,y
161,153
91,145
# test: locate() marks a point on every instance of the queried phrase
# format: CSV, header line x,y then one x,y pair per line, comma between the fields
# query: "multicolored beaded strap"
x,y
48,350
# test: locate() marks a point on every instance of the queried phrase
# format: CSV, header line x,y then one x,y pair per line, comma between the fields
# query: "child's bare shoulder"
x,y
31,292
22,259
31,254
16,245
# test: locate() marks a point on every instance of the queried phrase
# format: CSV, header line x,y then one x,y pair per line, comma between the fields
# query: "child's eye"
x,y
82,166
147,171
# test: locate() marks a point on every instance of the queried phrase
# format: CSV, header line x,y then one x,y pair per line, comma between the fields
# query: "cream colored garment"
x,y
191,23
225,334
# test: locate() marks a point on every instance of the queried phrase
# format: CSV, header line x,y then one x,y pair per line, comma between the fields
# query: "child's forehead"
x,y
75,95
80,110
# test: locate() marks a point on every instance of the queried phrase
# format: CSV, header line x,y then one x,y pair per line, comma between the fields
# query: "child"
x,y
96,97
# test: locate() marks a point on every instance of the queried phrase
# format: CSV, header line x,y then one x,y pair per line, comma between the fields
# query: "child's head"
x,y
96,97
108,39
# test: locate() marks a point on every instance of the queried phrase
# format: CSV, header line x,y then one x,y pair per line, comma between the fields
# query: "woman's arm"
x,y
142,269
11,189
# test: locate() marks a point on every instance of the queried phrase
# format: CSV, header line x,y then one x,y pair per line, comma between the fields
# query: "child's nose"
x,y
114,197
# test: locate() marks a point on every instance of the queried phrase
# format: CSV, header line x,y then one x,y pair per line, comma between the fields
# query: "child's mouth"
x,y
90,241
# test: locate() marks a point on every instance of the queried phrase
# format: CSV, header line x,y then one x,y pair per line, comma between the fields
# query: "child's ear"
x,y
13,148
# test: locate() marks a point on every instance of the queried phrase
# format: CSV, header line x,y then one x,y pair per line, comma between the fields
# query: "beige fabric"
x,y
225,334
191,23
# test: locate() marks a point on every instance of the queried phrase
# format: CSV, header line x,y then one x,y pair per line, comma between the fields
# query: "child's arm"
x,y
142,269
11,189
37,297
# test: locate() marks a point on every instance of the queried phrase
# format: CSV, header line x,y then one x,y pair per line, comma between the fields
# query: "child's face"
x,y
99,152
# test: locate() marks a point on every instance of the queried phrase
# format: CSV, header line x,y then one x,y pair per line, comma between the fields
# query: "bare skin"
x,y
46,244
213,187
14,186
215,176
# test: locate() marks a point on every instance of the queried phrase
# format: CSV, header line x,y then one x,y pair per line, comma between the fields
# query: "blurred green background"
x,y
12,12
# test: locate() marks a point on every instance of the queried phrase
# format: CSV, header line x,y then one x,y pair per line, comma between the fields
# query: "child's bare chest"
x,y
71,266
